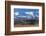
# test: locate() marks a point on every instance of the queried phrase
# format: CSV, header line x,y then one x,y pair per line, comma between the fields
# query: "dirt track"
x,y
25,25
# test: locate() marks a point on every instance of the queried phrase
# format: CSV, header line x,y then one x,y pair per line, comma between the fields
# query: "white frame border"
x,y
27,28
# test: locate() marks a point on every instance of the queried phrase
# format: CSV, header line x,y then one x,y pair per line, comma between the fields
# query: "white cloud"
x,y
16,13
22,16
29,13
37,16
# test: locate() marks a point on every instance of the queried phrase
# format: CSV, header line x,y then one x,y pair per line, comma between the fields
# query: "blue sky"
x,y
26,12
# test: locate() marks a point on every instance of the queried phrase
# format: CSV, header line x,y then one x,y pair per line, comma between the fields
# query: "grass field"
x,y
17,23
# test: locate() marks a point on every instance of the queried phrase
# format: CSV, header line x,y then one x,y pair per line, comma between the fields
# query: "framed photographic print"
x,y
24,17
